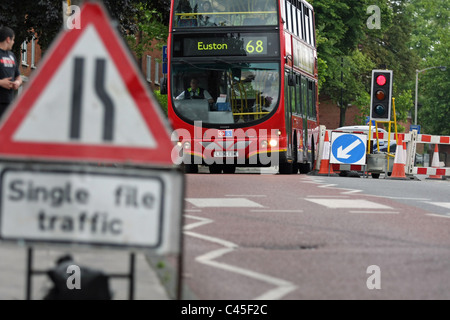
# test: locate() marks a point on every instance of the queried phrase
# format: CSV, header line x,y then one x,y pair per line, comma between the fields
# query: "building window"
x,y
33,53
156,73
149,69
24,53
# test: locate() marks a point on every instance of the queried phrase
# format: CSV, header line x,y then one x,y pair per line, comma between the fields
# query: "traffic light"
x,y
381,95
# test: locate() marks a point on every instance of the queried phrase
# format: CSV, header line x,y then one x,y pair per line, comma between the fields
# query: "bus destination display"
x,y
230,45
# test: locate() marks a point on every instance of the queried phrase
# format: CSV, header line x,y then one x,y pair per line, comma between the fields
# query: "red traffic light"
x,y
381,94
381,80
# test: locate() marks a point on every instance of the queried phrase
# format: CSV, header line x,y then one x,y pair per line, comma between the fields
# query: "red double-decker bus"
x,y
242,84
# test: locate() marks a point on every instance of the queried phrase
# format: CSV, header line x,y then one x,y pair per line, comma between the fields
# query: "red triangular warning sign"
x,y
88,102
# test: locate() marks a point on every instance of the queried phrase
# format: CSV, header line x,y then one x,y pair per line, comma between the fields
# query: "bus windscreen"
x,y
229,94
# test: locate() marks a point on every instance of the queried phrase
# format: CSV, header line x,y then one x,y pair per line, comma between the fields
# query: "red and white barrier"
x,y
411,138
430,171
425,138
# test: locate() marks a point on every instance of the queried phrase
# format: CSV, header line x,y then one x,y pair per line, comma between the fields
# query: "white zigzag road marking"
x,y
196,224
283,286
344,190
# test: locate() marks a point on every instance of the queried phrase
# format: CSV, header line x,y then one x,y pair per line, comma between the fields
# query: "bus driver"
x,y
195,92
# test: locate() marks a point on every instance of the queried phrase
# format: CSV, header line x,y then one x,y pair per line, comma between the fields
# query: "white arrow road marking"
x,y
343,154
283,287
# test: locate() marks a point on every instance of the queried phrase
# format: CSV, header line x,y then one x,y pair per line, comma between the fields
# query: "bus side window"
x,y
310,100
299,95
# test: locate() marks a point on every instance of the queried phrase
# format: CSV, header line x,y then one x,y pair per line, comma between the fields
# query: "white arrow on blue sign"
x,y
348,148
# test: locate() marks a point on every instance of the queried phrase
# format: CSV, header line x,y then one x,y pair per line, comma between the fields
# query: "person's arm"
x,y
208,97
17,83
6,83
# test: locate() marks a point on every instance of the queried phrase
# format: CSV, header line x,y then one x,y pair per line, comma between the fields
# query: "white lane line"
x,y
192,210
396,198
441,204
328,186
225,243
283,287
223,202
318,196
405,198
246,195
313,182
341,190
350,191
269,210
196,224
348,203
439,215
385,212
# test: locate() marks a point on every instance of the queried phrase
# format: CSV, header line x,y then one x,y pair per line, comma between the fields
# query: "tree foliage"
x,y
150,26
45,17
414,35
42,16
431,41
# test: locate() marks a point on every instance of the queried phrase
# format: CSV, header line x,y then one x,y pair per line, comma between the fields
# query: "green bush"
x,y
162,100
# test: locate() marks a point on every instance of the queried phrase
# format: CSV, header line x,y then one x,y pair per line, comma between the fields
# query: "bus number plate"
x,y
227,154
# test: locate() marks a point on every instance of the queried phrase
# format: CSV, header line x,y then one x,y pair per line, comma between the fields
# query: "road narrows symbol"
x,y
77,96
77,93
104,97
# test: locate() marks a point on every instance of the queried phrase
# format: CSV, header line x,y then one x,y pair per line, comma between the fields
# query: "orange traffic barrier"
x,y
325,167
398,169
435,163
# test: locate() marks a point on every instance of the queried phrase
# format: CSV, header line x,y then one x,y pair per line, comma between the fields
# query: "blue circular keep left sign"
x,y
348,148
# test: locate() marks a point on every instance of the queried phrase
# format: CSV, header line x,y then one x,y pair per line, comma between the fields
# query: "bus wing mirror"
x,y
163,87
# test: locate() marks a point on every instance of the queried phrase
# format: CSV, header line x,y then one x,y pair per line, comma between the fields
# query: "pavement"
x,y
147,286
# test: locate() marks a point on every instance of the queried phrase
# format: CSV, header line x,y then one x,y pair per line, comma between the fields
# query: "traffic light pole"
x,y
389,134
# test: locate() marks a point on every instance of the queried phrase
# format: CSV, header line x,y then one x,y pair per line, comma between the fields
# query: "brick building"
x,y
329,113
31,54
152,67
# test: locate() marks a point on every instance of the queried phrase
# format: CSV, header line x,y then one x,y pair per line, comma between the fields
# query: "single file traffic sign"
x,y
130,208
347,148
87,102
88,105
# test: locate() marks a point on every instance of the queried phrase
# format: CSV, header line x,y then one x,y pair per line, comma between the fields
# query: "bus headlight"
x,y
273,143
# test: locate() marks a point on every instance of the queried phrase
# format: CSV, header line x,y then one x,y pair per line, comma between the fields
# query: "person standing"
x,y
10,79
